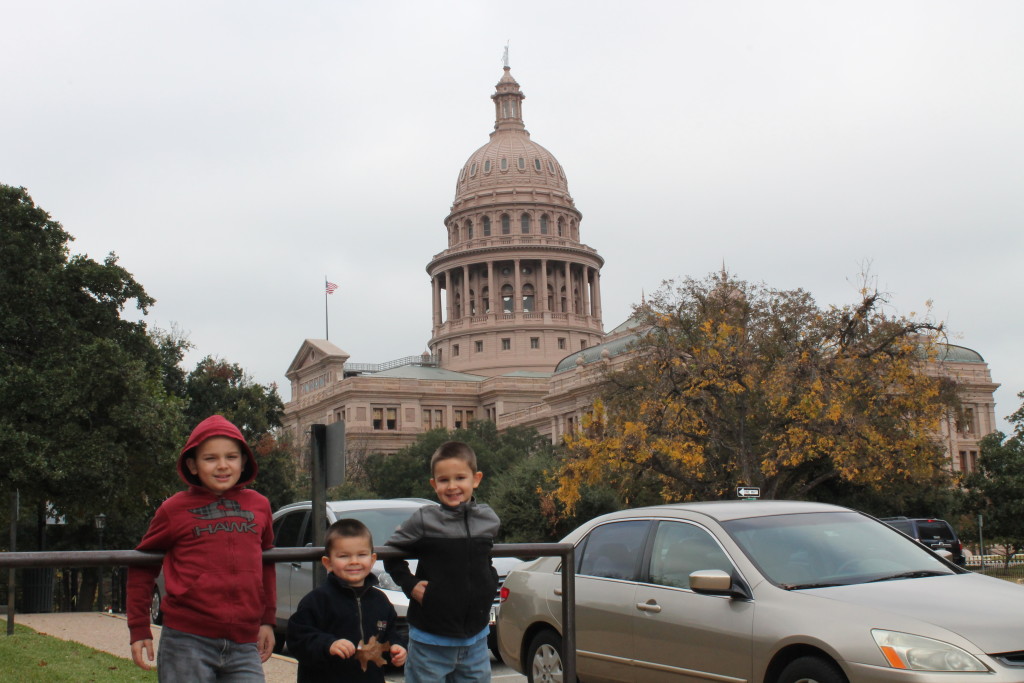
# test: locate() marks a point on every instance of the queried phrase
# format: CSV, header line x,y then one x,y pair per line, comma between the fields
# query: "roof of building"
x,y
510,158
959,354
614,347
427,372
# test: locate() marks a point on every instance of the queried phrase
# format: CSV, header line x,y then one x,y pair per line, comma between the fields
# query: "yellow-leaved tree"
x,y
733,384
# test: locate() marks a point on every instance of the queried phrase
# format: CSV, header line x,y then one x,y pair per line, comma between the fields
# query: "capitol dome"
x,y
510,159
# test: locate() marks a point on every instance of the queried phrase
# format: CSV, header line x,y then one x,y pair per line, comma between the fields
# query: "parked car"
x,y
293,529
937,534
766,591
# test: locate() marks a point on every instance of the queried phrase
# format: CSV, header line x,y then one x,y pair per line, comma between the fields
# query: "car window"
x,y
287,528
680,549
903,525
612,549
931,530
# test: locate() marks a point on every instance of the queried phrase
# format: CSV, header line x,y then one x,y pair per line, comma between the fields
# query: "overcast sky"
x,y
234,153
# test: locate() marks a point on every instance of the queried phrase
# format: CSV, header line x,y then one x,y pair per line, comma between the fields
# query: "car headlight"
x,y
385,582
917,653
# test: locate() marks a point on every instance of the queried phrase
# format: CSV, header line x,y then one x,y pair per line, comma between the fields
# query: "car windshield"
x,y
814,550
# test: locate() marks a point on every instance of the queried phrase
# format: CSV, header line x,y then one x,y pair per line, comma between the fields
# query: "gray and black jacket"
x,y
453,546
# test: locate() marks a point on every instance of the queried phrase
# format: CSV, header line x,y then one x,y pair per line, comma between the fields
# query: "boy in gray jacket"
x,y
455,583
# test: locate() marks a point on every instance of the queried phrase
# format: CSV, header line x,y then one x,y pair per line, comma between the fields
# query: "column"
x,y
490,285
586,292
597,295
569,303
542,305
450,289
436,286
466,312
517,286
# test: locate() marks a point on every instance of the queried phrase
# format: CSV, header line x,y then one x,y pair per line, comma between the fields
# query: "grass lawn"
x,y
30,656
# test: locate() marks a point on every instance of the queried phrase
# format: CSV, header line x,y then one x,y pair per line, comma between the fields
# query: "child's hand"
x,y
140,647
418,591
398,655
265,642
342,648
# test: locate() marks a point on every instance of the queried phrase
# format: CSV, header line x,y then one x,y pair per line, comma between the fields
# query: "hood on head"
x,y
216,425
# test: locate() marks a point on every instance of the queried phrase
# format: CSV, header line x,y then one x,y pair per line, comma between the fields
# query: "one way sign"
x,y
748,492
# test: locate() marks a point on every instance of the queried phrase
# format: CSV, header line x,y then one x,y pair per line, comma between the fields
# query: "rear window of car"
x,y
935,529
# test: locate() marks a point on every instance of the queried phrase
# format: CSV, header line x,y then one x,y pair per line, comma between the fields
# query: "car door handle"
x,y
558,591
296,565
649,606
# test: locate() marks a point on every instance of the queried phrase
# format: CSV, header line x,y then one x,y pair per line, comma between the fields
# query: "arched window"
x,y
524,221
528,298
544,224
564,307
522,164
506,224
487,226
458,305
506,299
551,298
487,166
469,230
504,164
472,302
561,227
536,164
573,230
485,297
577,301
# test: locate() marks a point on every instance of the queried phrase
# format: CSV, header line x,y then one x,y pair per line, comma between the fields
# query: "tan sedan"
x,y
767,591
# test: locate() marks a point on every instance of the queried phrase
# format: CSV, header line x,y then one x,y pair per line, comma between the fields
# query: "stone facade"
x,y
517,335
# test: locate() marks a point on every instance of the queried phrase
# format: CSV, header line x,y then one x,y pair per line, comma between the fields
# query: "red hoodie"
x,y
216,583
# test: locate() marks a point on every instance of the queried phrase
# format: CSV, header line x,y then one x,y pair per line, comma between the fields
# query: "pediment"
x,y
316,354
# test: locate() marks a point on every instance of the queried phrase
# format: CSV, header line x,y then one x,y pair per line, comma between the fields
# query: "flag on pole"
x,y
331,287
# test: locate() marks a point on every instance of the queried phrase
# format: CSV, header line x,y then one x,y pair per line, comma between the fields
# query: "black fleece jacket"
x,y
454,550
336,610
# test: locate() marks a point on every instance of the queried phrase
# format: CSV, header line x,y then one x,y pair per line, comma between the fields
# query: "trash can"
x,y
37,585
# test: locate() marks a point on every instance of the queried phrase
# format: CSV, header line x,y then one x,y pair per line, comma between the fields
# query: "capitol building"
x,y
516,333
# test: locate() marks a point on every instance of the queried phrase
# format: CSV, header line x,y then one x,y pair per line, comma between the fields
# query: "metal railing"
x,y
135,558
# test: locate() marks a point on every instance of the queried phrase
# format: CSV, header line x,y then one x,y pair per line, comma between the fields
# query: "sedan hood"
x,y
978,608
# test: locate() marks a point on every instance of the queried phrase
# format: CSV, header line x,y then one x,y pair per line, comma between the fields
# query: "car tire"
x,y
811,670
544,658
155,614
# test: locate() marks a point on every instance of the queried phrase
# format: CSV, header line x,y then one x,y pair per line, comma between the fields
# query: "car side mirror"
x,y
717,582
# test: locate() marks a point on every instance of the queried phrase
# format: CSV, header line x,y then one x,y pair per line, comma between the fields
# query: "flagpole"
x,y
327,327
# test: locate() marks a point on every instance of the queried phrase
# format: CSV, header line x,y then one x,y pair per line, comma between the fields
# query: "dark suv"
x,y
937,534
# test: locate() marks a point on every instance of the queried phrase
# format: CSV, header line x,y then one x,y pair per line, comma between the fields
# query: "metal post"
x,y
569,614
318,518
101,522
10,570
981,545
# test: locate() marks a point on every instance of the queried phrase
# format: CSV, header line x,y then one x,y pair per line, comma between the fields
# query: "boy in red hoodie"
x,y
221,597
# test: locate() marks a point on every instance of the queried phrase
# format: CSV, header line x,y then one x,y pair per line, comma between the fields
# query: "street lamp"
x,y
100,521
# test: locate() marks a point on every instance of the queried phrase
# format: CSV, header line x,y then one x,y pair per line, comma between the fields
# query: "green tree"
x,y
216,386
736,384
513,461
996,490
84,416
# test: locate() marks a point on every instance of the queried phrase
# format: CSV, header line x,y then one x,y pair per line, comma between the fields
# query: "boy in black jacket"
x,y
337,631
455,583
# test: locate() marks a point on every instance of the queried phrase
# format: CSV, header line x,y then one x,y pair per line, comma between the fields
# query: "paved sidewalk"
x,y
109,633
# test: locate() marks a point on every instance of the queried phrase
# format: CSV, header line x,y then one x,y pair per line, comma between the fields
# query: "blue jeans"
x,y
441,664
184,657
